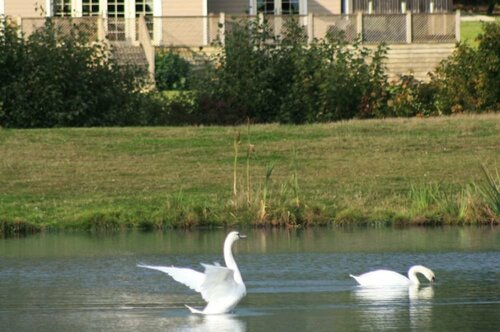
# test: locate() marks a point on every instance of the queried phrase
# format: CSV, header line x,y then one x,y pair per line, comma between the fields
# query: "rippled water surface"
x,y
296,281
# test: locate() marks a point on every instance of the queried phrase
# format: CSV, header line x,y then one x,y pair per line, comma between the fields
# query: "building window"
x,y
265,6
290,7
116,19
90,8
145,7
279,7
116,8
62,8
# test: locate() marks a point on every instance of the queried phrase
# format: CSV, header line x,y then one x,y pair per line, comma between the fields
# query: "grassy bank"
x,y
388,171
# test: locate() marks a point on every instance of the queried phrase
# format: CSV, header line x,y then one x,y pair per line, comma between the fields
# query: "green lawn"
x,y
469,30
371,170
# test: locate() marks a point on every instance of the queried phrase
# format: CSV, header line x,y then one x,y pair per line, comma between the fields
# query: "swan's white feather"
x,y
382,278
219,282
193,310
191,278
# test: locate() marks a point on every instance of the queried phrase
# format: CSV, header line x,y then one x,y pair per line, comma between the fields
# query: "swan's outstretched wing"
x,y
191,278
219,283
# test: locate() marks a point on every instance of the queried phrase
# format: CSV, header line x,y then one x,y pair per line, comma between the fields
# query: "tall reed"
x,y
295,180
236,145
473,203
250,150
422,197
264,195
433,201
264,202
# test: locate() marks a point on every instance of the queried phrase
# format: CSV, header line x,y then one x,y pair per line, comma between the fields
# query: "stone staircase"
x,y
416,59
402,59
127,54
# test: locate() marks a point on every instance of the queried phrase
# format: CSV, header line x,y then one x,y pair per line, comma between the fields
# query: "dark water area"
x,y
296,280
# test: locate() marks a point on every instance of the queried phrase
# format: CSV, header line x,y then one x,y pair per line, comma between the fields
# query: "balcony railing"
x,y
200,31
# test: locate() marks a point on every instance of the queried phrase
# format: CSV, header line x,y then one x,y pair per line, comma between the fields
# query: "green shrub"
x,y
270,78
353,84
409,97
172,110
468,81
53,79
236,84
171,71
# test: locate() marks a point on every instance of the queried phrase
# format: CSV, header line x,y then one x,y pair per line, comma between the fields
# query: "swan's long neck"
x,y
412,274
230,262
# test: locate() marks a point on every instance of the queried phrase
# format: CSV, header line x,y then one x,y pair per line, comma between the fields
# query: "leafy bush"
x,y
468,81
271,78
236,84
409,97
53,78
173,110
171,71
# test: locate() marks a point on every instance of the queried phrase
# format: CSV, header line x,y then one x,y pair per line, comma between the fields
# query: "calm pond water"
x,y
296,281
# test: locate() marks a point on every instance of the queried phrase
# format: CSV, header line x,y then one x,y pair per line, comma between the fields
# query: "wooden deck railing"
x,y
199,31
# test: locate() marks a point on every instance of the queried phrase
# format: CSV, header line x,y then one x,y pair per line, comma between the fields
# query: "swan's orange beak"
x,y
241,236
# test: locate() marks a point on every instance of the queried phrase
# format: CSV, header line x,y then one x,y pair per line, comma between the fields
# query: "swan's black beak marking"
x,y
433,279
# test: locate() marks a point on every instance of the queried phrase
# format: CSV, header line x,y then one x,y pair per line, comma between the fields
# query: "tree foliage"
x,y
172,71
469,81
270,78
60,78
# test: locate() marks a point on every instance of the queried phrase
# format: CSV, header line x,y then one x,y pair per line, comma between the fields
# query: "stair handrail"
x,y
145,41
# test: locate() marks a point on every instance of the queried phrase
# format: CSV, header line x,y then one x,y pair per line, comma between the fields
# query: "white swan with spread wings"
x,y
221,287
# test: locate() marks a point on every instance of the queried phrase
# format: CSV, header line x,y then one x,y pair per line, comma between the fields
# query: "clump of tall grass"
x,y
422,197
12,228
267,202
286,204
179,211
475,203
489,191
432,203
101,221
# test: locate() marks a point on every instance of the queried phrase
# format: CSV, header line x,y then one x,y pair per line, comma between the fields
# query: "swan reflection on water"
x,y
383,307
214,323
375,295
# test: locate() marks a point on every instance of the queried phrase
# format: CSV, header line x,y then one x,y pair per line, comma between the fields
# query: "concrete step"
x,y
417,46
435,52
416,59
194,56
420,57
127,54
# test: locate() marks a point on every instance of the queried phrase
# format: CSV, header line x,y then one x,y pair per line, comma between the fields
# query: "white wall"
x,y
183,7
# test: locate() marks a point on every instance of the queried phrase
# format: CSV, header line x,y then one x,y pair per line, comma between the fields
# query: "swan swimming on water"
x,y
381,278
221,287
